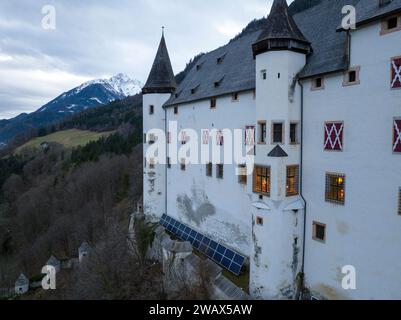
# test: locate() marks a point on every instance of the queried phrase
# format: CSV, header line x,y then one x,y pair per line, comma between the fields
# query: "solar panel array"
x,y
227,258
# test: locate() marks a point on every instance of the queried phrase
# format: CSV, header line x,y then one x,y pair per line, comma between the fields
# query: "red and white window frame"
x,y
205,136
333,136
397,135
219,138
396,72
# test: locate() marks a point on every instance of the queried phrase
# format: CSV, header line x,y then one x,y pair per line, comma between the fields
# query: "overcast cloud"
x,y
100,38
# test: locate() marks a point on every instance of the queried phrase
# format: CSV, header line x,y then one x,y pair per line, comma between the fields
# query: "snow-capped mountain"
x,y
88,95
93,93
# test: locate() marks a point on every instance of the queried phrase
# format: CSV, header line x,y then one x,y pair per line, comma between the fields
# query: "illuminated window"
x,y
261,180
319,231
335,188
292,186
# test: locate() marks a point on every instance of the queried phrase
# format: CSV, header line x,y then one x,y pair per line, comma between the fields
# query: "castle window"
x,y
318,84
390,25
168,162
292,186
399,201
220,171
259,221
151,109
151,163
144,162
294,133
335,188
277,132
261,180
242,174
351,77
183,165
319,231
175,110
235,96
333,136
264,74
397,135
396,73
209,170
262,132
213,103
144,138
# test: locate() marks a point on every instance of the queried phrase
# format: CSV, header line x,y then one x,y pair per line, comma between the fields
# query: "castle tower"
x,y
157,90
277,208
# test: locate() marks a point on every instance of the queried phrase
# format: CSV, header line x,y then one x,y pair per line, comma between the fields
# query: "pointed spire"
x,y
161,78
281,32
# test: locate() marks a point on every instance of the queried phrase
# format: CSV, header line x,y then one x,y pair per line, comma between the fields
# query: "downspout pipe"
x,y
301,186
165,166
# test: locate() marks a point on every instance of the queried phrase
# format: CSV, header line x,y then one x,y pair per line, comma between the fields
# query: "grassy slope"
x,y
68,138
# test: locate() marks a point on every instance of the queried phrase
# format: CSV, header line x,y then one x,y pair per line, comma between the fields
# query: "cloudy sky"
x,y
100,38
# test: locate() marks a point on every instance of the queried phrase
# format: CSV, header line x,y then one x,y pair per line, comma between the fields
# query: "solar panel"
x,y
225,257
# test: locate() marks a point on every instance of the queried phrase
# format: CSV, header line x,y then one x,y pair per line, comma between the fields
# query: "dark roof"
x,y
318,24
236,71
369,10
280,32
277,152
161,78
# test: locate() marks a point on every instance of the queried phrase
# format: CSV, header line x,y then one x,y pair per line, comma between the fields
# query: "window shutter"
x,y
219,138
396,73
205,136
250,135
333,136
397,136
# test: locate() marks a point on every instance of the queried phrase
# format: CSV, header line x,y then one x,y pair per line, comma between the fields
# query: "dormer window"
x,y
193,90
220,59
351,77
218,83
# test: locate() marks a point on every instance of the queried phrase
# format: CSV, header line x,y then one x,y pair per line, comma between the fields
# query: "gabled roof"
x,y
280,32
161,78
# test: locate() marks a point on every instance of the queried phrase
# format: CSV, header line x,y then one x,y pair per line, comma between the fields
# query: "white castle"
x,y
320,108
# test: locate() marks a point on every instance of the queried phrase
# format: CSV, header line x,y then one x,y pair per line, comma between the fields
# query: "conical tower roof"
x,y
281,32
161,78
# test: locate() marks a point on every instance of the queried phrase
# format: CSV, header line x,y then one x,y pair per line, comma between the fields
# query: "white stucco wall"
x,y
219,208
365,232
